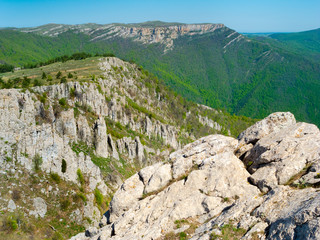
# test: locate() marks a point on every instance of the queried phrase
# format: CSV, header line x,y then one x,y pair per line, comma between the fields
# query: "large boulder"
x,y
281,155
273,123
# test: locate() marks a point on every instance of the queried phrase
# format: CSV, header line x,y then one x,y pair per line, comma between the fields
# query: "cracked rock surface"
x,y
207,186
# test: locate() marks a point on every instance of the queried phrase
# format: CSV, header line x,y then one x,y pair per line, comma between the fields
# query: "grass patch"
x,y
37,161
55,177
80,177
229,232
144,110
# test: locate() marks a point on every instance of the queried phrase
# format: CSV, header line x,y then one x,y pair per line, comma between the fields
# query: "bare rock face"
x,y
273,123
208,188
202,193
280,155
40,207
293,214
101,138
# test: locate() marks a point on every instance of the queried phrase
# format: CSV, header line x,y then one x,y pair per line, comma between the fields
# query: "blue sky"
x,y
241,15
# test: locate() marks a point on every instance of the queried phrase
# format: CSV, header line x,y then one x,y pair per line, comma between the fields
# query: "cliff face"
x,y
65,146
262,185
144,34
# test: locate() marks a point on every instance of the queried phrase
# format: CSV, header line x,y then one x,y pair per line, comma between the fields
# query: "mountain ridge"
x,y
220,68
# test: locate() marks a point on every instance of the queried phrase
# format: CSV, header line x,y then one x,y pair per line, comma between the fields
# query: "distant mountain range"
x,y
212,64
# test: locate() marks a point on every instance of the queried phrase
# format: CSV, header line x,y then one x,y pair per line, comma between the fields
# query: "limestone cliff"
x,y
262,185
63,146
144,33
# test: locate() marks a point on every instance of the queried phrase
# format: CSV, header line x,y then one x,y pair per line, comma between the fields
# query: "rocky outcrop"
x,y
204,188
146,34
75,141
100,138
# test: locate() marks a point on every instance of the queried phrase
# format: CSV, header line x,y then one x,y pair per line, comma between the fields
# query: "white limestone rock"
x,y
273,123
40,207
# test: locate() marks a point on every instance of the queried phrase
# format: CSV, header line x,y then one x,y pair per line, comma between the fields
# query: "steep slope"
x,y
205,190
207,63
71,132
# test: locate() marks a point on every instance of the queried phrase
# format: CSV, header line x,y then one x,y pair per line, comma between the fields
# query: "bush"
x,y
44,75
80,176
59,74
16,195
72,92
65,204
70,75
182,236
55,177
81,196
63,102
37,83
43,98
26,82
37,161
13,224
63,80
63,166
98,196
6,68
57,109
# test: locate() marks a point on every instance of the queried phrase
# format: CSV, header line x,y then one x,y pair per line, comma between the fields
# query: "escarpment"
x,y
65,148
262,185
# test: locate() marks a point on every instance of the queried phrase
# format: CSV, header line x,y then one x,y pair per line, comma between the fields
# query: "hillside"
x,y
72,132
207,63
302,42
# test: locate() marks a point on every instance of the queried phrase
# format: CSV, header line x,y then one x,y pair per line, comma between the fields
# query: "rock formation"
x,y
63,145
147,34
262,185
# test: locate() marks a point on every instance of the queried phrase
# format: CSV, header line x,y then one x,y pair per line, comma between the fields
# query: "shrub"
x,y
55,177
43,98
80,176
16,195
59,74
13,224
37,161
6,68
65,204
76,112
99,89
72,92
57,109
44,75
63,102
26,82
63,166
70,75
98,196
63,80
37,82
81,196
182,236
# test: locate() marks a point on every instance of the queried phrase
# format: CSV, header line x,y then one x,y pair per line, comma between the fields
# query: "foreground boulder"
x,y
220,184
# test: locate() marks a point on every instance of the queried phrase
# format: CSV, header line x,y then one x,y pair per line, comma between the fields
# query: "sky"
x,y
240,15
